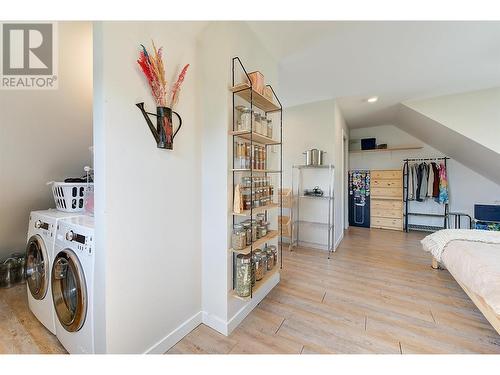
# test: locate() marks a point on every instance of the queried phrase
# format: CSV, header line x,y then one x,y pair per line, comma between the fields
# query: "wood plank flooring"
x,y
378,294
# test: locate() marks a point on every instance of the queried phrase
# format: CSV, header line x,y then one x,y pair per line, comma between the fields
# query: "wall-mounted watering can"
x,y
164,133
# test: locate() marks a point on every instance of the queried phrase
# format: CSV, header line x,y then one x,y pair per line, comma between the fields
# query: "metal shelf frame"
x,y
297,186
253,98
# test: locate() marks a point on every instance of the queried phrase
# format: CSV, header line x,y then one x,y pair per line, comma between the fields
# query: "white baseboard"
x,y
176,335
338,241
245,310
215,322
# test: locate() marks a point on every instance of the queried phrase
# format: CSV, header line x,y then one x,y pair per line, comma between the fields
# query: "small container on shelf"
x,y
270,258
274,251
261,231
269,128
248,229
259,266
257,124
244,118
239,237
243,271
257,80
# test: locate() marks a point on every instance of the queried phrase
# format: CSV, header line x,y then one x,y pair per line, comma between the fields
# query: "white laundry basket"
x,y
69,196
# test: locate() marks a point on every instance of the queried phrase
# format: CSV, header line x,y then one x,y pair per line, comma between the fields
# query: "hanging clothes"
x,y
410,192
430,180
443,185
415,180
422,186
435,184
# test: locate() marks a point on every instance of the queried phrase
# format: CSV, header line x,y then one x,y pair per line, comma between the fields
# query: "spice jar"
x,y
269,128
247,199
263,127
257,124
244,117
248,230
239,237
261,231
243,275
260,218
274,251
259,266
270,259
254,230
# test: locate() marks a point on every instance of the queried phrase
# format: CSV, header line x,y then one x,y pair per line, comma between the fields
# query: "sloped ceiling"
x,y
397,61
466,151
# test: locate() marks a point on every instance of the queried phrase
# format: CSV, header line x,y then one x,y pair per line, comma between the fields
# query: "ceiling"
x,y
396,61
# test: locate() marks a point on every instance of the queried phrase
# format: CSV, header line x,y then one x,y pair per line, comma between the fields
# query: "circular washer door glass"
x,y
69,290
37,267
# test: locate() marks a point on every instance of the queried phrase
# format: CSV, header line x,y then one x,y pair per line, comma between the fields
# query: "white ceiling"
x,y
396,61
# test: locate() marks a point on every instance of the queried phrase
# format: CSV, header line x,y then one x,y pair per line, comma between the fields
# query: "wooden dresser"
x,y
386,199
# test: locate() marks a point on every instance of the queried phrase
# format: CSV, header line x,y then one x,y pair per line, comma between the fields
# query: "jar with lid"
x,y
246,182
254,230
274,251
248,155
269,128
270,259
260,267
257,124
247,199
261,231
247,226
239,237
260,217
240,158
263,127
244,117
266,224
243,271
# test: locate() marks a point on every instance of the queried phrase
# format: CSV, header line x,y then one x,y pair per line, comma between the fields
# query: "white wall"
x,y
315,125
466,186
218,44
45,135
149,200
474,114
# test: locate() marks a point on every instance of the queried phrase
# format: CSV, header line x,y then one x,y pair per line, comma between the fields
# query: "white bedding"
x,y
477,266
436,243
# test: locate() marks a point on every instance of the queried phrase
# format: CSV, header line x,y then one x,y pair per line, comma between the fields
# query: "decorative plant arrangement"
x,y
153,68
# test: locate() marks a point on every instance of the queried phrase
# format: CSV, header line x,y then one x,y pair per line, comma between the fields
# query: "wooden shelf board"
x,y
259,284
270,236
242,170
407,148
255,137
256,210
258,100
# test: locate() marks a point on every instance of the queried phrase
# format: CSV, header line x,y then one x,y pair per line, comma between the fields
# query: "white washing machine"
x,y
72,281
39,256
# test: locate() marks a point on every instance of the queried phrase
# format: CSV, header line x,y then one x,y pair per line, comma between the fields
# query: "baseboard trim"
x,y
245,310
338,241
215,322
176,335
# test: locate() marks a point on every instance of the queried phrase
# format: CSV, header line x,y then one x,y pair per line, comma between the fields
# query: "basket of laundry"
x,y
70,196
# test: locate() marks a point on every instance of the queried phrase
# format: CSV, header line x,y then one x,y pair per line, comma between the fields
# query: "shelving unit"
x,y
406,148
329,224
256,102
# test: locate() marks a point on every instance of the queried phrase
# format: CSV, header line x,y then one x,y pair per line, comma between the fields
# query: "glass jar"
x,y
244,117
243,271
269,128
248,229
246,182
263,126
257,125
270,259
248,155
247,199
261,231
254,230
239,237
260,218
274,251
260,267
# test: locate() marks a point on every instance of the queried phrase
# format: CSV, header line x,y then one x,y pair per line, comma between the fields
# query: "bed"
x,y
473,258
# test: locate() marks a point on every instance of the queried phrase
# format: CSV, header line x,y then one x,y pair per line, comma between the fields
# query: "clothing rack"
x,y
407,213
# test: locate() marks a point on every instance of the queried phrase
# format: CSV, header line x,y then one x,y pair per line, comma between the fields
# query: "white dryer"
x,y
39,255
72,282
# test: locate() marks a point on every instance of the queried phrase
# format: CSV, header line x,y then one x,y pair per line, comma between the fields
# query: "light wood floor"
x,y
378,294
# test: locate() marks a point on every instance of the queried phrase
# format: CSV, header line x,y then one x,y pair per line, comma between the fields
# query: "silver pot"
x,y
314,156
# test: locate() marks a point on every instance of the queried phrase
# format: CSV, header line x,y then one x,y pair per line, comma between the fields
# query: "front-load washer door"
x,y
37,267
69,290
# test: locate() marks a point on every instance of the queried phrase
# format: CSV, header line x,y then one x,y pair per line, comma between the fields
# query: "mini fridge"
x,y
359,198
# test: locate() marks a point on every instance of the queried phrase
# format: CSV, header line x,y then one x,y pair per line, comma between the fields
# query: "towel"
x,y
436,243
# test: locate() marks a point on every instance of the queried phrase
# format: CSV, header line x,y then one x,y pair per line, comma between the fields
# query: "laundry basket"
x,y
69,196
